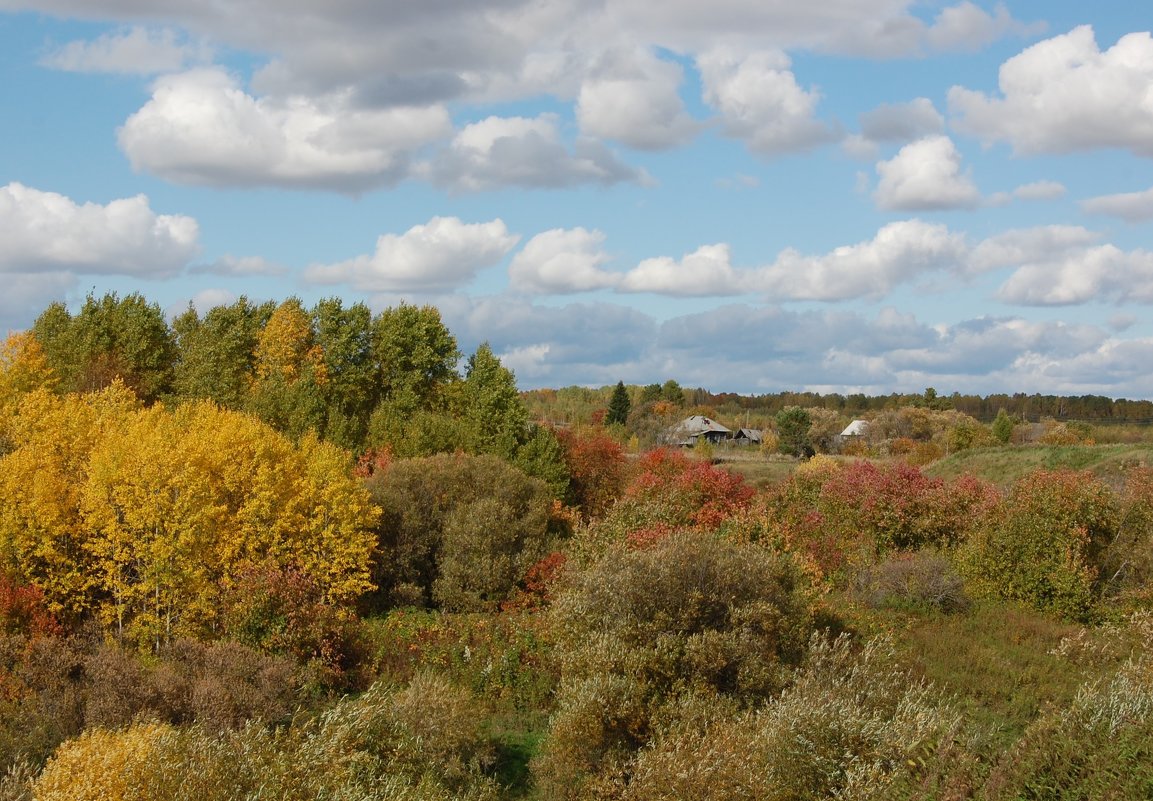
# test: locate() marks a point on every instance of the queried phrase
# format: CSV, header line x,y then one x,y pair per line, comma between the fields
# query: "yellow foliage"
x,y
286,348
102,765
148,514
23,367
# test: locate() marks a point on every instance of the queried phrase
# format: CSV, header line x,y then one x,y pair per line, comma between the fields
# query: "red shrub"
x,y
24,611
694,492
597,468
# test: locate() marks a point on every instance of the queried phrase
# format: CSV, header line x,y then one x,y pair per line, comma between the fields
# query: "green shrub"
x,y
1099,747
1043,542
640,628
460,530
851,727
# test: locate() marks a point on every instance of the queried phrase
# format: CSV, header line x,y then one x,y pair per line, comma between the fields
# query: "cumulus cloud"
x,y
25,295
706,272
1103,273
1064,94
1129,206
1020,246
760,102
562,261
134,51
900,252
525,152
441,254
631,96
200,127
48,231
925,175
582,339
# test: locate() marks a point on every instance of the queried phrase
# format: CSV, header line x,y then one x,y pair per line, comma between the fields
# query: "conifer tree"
x,y
619,405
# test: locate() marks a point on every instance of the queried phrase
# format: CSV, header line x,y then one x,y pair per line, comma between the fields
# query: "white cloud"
x,y
1063,95
631,96
900,252
135,51
925,175
525,152
561,261
1129,206
441,254
1040,190
1021,246
706,272
1103,274
200,127
760,102
967,26
47,231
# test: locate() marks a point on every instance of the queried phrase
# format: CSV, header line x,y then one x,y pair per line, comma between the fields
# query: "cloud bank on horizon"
x,y
747,196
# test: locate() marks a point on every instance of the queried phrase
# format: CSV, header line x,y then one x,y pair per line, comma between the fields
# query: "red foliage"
x,y
24,611
538,584
695,492
597,467
897,506
373,461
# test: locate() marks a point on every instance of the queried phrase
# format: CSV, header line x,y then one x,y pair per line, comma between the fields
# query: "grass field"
x,y
1006,464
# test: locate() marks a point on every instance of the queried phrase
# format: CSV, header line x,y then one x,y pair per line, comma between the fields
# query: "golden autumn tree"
x,y
290,372
43,536
149,521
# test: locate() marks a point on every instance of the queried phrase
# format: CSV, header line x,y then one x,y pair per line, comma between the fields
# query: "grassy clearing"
x,y
758,470
1004,465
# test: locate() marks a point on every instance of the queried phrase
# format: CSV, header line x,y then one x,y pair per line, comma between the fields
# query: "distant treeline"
x,y
1092,408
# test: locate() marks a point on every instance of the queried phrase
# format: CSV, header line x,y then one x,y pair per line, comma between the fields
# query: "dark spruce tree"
x,y
619,405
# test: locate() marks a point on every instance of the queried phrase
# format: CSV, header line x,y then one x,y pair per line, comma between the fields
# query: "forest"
x,y
272,552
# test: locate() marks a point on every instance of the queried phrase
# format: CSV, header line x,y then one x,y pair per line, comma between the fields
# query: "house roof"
x,y
856,428
687,431
699,424
753,434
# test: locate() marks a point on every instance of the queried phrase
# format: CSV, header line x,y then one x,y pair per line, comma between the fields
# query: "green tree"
x,y
619,405
793,425
650,393
215,355
672,392
491,405
351,389
416,355
1003,427
457,529
109,338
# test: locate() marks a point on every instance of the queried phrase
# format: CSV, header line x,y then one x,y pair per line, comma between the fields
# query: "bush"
x,y
422,743
919,581
690,614
461,530
851,727
1042,544
1100,747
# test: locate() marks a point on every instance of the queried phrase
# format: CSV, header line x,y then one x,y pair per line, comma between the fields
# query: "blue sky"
x,y
852,195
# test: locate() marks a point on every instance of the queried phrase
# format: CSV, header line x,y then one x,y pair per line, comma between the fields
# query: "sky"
x,y
744,195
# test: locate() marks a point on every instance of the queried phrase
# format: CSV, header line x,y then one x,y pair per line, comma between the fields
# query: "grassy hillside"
x,y
1004,465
